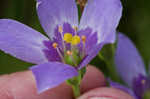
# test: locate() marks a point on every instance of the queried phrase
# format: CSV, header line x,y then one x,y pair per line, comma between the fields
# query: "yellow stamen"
x,y
143,82
68,37
60,29
69,52
75,40
83,38
55,45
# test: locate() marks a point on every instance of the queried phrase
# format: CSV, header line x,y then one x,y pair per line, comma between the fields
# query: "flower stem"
x,y
113,73
107,54
76,90
111,68
75,82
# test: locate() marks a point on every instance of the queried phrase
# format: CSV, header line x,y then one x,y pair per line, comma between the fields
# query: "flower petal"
x,y
90,42
123,88
128,60
51,53
21,41
52,74
56,12
103,17
91,54
141,84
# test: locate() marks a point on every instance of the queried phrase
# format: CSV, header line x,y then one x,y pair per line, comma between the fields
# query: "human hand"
x,y
21,85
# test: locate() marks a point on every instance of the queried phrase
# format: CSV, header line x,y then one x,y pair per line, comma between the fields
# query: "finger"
x,y
92,79
21,85
105,93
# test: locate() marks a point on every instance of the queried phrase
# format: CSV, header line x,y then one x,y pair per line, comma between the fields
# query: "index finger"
x,y
22,85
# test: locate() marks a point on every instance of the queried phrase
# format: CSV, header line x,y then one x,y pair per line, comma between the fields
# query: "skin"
x,y
21,85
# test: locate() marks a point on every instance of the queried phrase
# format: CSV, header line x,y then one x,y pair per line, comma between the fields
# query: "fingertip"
x,y
104,92
93,78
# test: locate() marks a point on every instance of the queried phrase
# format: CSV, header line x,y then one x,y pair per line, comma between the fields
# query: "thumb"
x,y
105,93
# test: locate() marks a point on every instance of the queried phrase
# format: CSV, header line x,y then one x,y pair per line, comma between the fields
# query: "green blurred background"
x,y
135,23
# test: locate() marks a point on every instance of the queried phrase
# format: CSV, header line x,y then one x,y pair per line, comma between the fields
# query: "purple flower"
x,y
71,44
130,66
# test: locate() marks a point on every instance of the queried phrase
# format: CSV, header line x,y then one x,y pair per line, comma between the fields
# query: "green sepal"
x,y
68,60
75,82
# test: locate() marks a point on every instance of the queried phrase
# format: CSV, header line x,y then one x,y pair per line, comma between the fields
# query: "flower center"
x,y
73,55
75,40
67,37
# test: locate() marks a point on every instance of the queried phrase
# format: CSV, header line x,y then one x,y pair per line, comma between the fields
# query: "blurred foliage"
x,y
135,23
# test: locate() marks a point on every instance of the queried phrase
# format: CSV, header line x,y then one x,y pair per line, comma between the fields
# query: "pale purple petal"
x,y
128,60
103,17
91,54
22,42
56,12
123,88
50,75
